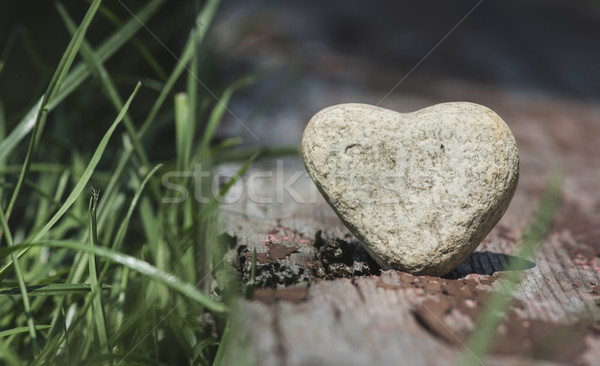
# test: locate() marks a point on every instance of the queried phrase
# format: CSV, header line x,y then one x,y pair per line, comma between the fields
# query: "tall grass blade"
x,y
89,170
120,236
184,130
217,115
107,49
97,307
9,332
123,228
55,84
52,289
80,186
222,345
20,131
21,280
108,85
203,22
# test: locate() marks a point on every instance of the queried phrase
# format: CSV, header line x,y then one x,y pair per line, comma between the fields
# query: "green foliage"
x,y
112,275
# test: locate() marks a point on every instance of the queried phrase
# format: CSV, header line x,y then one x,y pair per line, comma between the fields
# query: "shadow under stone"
x,y
488,263
340,258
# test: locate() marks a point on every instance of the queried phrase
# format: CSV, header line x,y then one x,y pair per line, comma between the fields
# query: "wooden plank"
x,y
333,306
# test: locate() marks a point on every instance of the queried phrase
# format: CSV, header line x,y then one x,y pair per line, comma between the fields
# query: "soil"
x,y
339,258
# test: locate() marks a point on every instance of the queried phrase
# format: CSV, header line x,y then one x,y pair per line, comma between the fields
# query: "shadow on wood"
x,y
487,263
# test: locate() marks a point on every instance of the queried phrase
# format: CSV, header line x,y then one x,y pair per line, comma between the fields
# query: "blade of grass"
x,y
184,130
81,183
22,287
217,115
189,126
6,333
2,136
213,122
80,313
89,170
184,135
203,22
8,144
123,228
186,289
120,303
108,86
125,223
53,87
481,339
221,350
107,49
226,144
52,289
35,167
114,181
97,307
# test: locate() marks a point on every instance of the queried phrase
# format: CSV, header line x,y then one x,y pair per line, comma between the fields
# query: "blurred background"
x,y
311,54
534,62
435,51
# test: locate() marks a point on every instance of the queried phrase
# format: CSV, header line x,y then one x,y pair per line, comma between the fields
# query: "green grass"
x,y
95,268
481,340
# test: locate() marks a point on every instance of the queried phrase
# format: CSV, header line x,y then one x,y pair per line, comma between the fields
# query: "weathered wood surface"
x,y
332,306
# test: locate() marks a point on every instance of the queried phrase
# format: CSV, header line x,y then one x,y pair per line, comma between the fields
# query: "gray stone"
x,y
420,190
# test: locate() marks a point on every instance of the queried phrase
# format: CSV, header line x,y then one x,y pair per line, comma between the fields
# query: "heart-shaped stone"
x,y
420,190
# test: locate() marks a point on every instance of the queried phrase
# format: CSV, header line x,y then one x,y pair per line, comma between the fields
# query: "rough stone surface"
x,y
420,190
